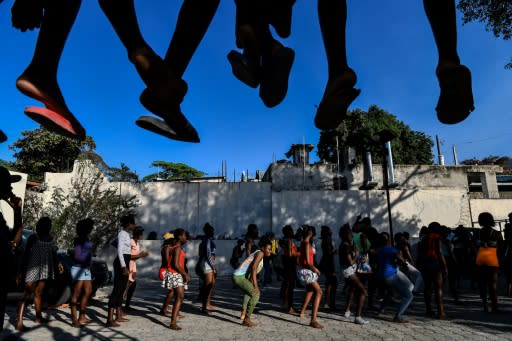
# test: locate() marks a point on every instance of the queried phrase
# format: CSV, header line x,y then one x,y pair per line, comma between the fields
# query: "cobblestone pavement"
x,y
468,321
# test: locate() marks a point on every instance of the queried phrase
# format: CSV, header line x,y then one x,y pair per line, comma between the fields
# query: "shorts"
x,y
172,280
349,271
80,274
306,276
206,267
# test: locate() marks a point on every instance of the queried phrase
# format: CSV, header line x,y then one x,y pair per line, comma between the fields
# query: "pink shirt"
x,y
135,250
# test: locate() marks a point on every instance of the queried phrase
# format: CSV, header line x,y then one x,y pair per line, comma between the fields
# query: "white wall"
x,y
18,188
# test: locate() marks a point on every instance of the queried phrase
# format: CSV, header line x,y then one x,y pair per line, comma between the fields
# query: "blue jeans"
x,y
402,285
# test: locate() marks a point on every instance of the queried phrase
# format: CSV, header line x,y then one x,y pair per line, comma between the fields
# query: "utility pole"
x,y
440,156
455,158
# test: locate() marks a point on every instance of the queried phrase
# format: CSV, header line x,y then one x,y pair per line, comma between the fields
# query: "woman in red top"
x,y
176,277
433,268
308,274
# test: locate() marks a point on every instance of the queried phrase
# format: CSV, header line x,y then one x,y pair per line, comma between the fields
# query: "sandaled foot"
x,y
58,118
245,71
248,323
3,137
151,68
315,324
160,127
275,73
338,96
178,127
456,98
174,326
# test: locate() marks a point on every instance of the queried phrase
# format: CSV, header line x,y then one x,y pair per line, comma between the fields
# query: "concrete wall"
x,y
499,208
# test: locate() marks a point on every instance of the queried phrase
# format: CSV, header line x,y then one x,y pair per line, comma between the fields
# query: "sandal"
x,y
338,96
245,71
275,73
456,98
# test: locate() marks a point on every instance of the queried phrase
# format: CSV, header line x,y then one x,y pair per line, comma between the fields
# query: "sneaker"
x,y
359,320
347,314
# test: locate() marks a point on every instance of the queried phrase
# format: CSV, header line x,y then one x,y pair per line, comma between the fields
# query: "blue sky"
x,y
390,46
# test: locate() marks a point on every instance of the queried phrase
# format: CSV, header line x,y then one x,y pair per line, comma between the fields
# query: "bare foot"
x,y
84,320
174,326
112,324
303,314
315,324
121,319
50,95
242,315
76,324
41,320
248,323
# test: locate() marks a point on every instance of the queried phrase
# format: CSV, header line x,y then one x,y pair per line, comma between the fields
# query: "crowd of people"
x,y
373,266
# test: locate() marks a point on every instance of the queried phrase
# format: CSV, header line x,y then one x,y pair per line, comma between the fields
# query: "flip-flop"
x,y
3,137
333,108
275,73
456,98
176,123
243,69
54,121
158,126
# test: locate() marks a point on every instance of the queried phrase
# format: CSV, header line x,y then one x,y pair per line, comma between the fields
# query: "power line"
x,y
487,138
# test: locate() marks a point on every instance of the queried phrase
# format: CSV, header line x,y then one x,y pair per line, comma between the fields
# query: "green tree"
x,y
496,15
409,147
173,171
122,174
39,151
88,197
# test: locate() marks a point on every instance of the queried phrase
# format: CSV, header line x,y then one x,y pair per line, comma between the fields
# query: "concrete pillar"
x,y
489,185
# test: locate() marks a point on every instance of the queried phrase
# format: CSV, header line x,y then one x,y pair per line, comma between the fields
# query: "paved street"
x,y
468,321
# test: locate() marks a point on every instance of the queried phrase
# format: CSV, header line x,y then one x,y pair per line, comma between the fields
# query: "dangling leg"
x,y
339,91
39,80
193,21
456,98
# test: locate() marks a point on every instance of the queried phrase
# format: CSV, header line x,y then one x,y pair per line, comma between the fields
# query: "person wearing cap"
x,y
136,254
81,271
8,238
121,272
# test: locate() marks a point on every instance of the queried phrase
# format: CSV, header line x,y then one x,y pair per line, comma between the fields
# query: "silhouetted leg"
x,y
193,21
3,137
39,80
339,91
456,98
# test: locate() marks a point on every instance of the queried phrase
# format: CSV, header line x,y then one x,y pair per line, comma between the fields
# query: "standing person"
x,y
135,254
507,266
237,253
176,277
402,244
433,268
207,251
308,275
489,251
246,278
289,264
165,252
327,267
348,254
121,272
38,265
81,271
8,238
388,258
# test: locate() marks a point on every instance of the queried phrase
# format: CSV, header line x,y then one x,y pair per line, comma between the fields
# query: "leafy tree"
x,y
88,197
409,147
39,151
496,15
173,171
122,174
